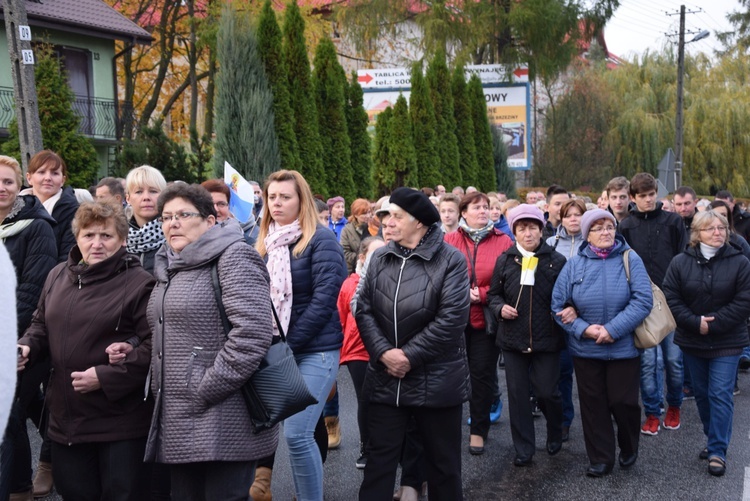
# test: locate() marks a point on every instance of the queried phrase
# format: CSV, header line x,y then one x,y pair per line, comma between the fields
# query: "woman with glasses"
x,y
708,290
600,336
201,426
566,241
221,195
143,185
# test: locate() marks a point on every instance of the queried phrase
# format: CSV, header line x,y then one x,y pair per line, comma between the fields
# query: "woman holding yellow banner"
x,y
520,295
600,338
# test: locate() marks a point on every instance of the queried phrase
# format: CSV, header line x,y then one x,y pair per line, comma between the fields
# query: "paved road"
x,y
668,467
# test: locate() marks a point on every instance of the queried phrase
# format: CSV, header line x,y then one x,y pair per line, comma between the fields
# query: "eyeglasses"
x,y
221,205
167,218
714,229
603,229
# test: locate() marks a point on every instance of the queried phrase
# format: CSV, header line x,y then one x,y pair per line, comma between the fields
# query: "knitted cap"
x,y
333,201
415,203
591,216
525,211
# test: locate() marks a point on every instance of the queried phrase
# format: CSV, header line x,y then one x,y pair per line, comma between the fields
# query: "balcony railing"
x,y
99,117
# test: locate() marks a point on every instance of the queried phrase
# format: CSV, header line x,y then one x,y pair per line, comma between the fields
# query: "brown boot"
x,y
261,488
21,496
43,480
334,432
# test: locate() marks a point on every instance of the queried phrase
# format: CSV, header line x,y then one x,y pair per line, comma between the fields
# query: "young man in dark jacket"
x,y
656,236
412,312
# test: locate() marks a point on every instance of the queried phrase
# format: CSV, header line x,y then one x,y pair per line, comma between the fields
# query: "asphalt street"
x,y
668,467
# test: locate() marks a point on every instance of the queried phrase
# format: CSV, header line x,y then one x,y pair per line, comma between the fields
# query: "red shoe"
x,y
672,420
651,426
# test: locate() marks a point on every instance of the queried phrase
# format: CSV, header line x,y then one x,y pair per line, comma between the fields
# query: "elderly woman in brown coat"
x,y
201,426
98,418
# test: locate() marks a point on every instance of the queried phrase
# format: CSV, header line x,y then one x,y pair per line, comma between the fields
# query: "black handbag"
x,y
277,389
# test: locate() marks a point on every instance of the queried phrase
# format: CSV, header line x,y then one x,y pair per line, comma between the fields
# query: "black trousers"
x,y
357,370
607,389
101,470
540,372
212,480
441,436
482,354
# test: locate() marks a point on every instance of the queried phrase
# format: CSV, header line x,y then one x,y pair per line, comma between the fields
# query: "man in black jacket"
x,y
656,236
412,311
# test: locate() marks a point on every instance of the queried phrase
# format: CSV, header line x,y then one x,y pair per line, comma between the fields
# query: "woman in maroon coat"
x,y
481,244
98,417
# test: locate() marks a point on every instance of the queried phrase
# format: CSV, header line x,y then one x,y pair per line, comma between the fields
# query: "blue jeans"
x,y
565,385
319,371
713,382
651,376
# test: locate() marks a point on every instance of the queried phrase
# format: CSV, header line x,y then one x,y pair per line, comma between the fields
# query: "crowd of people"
x,y
143,306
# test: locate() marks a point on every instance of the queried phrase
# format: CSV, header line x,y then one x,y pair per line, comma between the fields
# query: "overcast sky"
x,y
643,24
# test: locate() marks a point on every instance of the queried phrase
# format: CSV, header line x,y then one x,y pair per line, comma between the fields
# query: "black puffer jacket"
x,y
657,236
34,254
419,304
535,329
63,214
719,287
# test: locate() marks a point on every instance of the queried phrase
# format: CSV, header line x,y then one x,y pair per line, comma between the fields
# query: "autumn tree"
x,y
302,100
361,146
383,175
486,174
245,135
329,81
467,152
59,123
424,128
269,45
439,85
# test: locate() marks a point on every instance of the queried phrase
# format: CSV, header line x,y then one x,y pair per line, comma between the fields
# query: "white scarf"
x,y
48,204
279,266
708,251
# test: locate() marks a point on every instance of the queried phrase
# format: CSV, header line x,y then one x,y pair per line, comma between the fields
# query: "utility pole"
x,y
678,115
22,67
678,142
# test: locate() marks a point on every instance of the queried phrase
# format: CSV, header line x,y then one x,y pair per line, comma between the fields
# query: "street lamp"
x,y
678,116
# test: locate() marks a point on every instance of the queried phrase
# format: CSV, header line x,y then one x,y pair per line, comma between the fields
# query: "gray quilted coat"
x,y
197,370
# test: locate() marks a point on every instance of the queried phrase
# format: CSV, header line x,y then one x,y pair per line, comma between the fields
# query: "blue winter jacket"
x,y
317,275
600,292
502,225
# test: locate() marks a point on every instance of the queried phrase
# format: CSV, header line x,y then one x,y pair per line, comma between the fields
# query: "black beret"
x,y
417,204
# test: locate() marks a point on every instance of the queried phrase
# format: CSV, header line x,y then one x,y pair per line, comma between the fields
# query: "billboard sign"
x,y
508,104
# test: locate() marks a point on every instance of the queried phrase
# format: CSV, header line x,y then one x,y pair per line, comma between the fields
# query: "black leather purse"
x,y
277,389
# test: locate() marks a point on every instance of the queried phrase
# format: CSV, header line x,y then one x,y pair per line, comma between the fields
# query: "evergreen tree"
x,y
486,176
439,84
401,146
329,80
154,147
505,178
467,153
59,122
245,135
269,46
424,127
358,121
301,94
383,175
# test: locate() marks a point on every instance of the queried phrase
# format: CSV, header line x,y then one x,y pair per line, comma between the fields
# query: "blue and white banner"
x,y
242,198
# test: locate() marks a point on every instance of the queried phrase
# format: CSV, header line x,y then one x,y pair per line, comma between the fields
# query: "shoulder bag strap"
x,y
220,303
626,262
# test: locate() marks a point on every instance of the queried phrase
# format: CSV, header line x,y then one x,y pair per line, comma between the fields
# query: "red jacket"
x,y
481,261
353,348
